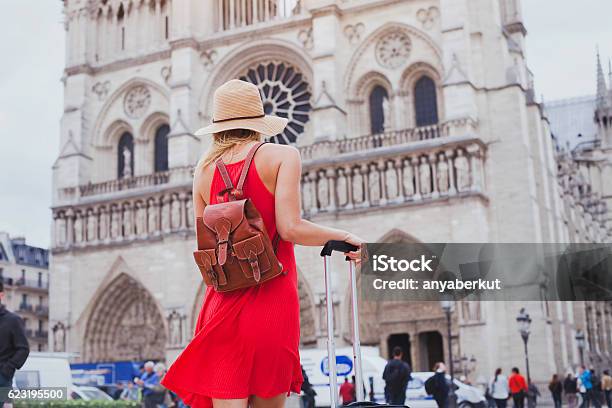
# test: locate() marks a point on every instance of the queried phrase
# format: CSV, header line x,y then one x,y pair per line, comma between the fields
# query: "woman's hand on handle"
x,y
354,240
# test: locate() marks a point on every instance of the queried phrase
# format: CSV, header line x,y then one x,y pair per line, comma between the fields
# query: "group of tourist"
x,y
582,390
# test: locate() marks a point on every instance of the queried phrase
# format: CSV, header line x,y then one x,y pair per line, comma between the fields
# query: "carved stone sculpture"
x,y
424,176
463,171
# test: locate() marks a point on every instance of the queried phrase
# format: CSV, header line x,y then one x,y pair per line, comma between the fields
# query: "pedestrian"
x,y
570,387
556,390
438,386
347,392
130,392
518,388
585,386
148,382
596,391
532,395
396,375
246,344
498,389
14,348
308,392
118,391
606,387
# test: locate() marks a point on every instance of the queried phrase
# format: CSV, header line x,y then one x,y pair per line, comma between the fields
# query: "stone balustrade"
x,y
233,14
389,138
416,172
123,220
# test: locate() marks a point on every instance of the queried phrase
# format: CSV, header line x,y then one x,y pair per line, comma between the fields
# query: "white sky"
x,y
561,41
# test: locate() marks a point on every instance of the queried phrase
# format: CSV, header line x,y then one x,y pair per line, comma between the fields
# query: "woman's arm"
x,y
289,223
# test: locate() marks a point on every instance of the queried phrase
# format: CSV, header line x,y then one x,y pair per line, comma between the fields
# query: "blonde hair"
x,y
225,141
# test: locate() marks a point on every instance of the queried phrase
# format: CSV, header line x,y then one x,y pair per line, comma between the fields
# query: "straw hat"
x,y
237,105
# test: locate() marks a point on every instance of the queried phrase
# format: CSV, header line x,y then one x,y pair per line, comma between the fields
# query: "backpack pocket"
x,y
213,274
252,257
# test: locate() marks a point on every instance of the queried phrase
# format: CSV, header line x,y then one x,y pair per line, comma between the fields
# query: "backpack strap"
x,y
247,163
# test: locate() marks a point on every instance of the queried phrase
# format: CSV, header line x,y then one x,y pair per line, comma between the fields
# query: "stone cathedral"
x,y
416,121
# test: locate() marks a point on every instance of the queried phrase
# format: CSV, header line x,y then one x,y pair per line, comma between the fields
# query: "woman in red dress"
x,y
245,349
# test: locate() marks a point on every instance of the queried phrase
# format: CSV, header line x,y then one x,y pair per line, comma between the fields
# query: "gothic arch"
x,y
125,323
246,55
375,36
112,110
360,107
408,81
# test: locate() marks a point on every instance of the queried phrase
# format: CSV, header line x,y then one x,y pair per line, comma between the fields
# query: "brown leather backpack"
x,y
234,249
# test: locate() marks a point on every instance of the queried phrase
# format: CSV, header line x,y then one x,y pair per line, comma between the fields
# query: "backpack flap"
x,y
252,257
222,219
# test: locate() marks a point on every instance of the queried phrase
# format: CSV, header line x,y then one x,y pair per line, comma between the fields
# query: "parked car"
x,y
88,393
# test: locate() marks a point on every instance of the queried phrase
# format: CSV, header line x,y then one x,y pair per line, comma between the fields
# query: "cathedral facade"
x,y
416,121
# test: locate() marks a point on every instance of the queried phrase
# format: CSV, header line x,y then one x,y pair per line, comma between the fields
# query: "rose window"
x,y
284,92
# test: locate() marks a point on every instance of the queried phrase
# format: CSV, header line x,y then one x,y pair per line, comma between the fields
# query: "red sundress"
x,y
246,342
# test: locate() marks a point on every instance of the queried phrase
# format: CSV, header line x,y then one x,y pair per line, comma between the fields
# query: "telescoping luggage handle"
x,y
343,247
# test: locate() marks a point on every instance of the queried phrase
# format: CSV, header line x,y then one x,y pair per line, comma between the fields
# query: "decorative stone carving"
x,y
354,32
428,17
101,89
91,226
323,191
152,217
115,223
306,194
424,176
141,219
463,172
166,73
393,49
103,224
208,58
358,186
59,337
387,121
78,228
165,214
127,162
442,174
175,328
305,38
391,181
342,188
137,101
374,183
176,212
128,225
189,222
60,230
408,178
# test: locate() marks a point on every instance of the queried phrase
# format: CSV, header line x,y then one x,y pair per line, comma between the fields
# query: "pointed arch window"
x,y
161,148
125,156
378,106
425,102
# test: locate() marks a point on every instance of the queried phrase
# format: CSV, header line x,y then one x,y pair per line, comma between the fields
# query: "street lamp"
x,y
447,303
524,323
580,343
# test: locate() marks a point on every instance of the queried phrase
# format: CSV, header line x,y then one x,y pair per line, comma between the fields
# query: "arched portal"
x,y
125,324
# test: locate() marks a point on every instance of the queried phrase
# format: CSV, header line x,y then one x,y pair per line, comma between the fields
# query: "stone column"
x,y
452,190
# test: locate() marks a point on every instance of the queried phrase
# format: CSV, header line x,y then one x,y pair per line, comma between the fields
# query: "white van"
x,y
43,369
315,365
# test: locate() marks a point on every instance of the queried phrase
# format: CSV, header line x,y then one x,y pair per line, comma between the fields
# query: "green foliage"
x,y
76,404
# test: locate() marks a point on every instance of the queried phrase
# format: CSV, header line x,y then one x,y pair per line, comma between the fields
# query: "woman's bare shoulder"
x,y
280,153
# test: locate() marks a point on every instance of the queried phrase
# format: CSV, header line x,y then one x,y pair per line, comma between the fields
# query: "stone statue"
x,y
189,213
141,219
323,191
128,226
176,212
60,233
152,220
115,227
165,214
175,329
341,189
59,338
78,228
374,187
391,181
443,175
91,226
463,171
103,224
127,162
358,187
386,105
306,194
425,176
408,179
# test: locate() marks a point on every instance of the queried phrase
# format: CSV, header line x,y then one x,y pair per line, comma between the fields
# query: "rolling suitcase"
x,y
326,252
